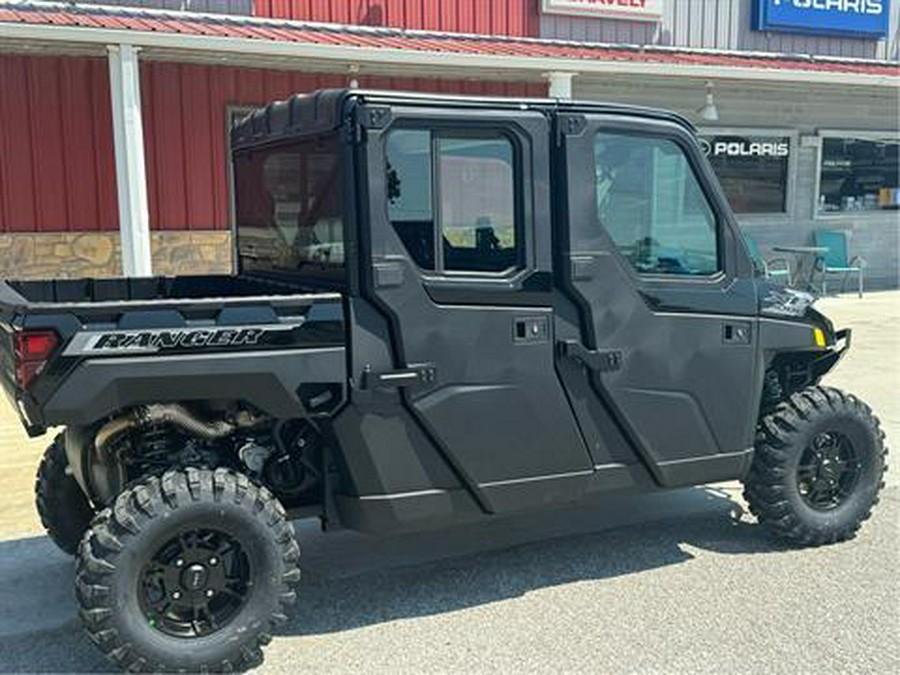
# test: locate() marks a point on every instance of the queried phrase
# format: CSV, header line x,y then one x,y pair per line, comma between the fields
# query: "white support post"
x,y
559,84
131,172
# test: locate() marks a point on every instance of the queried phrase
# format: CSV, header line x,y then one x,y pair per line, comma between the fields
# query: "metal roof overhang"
x,y
386,60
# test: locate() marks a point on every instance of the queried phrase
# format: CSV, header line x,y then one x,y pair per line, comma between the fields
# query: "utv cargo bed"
x,y
194,336
23,294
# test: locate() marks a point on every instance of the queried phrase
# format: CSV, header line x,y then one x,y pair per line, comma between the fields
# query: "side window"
x,y
457,189
651,204
409,183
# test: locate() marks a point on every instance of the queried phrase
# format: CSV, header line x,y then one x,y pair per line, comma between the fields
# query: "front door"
x,y
664,337
461,261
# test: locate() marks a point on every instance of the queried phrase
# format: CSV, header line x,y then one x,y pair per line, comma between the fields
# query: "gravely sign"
x,y
634,10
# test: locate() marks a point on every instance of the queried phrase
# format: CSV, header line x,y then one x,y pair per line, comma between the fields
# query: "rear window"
x,y
288,210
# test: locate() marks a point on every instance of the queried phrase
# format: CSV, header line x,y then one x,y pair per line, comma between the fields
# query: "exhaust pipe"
x,y
176,415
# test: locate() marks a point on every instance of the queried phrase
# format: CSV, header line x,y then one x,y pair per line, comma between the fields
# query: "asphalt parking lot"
x,y
671,582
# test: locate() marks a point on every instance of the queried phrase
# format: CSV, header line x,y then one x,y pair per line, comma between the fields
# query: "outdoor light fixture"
x,y
709,111
353,73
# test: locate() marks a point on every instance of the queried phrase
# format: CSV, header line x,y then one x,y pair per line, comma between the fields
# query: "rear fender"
x,y
283,384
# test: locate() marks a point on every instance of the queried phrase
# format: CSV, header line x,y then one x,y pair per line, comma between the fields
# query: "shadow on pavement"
x,y
353,580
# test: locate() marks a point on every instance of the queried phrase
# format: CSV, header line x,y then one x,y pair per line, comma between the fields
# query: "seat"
x,y
776,268
837,260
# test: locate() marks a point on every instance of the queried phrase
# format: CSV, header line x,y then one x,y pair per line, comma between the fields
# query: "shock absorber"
x,y
773,391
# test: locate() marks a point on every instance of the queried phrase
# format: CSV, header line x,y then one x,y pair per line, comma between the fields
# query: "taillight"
x,y
33,348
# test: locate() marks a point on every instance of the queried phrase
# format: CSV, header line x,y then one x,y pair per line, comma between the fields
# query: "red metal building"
x,y
61,211
496,17
57,162
56,147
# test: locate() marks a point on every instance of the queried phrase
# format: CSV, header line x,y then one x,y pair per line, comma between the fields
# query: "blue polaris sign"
x,y
854,18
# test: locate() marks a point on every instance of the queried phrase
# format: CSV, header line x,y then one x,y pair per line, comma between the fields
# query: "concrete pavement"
x,y
669,583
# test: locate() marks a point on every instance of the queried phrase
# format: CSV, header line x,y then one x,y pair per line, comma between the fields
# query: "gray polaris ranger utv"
x,y
444,309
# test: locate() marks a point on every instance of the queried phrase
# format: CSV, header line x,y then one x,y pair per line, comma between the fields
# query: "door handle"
x,y
582,268
737,332
531,329
425,373
603,361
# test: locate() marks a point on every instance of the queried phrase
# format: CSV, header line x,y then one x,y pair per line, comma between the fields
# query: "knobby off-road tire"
x,y
818,467
167,537
64,510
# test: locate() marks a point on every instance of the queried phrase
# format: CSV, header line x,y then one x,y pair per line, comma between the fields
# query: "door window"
x,y
409,183
651,204
458,189
477,206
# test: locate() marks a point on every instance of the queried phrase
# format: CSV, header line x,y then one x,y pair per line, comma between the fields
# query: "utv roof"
x,y
324,110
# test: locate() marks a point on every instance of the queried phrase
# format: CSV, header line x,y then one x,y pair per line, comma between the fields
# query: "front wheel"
x,y
188,572
818,466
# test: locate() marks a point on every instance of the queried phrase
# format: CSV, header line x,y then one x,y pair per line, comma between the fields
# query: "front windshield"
x,y
289,210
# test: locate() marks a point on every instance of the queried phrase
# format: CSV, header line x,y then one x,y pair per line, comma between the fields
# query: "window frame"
x,y
230,118
438,130
231,111
790,189
838,216
692,156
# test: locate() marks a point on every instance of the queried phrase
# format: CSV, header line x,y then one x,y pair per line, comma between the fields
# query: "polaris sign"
x,y
733,147
852,18
752,169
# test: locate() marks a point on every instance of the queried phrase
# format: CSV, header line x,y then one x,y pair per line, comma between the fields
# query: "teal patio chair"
x,y
837,259
776,268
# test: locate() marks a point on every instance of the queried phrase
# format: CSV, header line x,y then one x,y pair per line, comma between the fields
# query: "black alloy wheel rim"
x,y
195,583
828,472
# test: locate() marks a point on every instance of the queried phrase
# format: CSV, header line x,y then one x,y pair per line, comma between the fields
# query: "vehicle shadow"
x,y
353,580
416,575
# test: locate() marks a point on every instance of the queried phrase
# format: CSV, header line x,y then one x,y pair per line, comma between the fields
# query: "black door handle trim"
x,y
602,361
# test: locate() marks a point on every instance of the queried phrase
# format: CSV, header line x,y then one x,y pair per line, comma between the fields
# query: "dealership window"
x,y
858,172
457,188
651,204
753,169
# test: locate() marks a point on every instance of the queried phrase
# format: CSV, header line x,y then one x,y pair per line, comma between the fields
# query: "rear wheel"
x,y
818,466
64,510
190,572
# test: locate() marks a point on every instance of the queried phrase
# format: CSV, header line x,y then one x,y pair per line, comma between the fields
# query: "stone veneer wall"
x,y
66,255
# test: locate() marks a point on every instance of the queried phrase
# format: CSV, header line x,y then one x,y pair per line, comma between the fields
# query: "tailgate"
x,y
11,303
7,364
11,306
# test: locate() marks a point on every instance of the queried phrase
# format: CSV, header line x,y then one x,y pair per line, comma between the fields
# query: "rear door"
x,y
665,336
461,260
